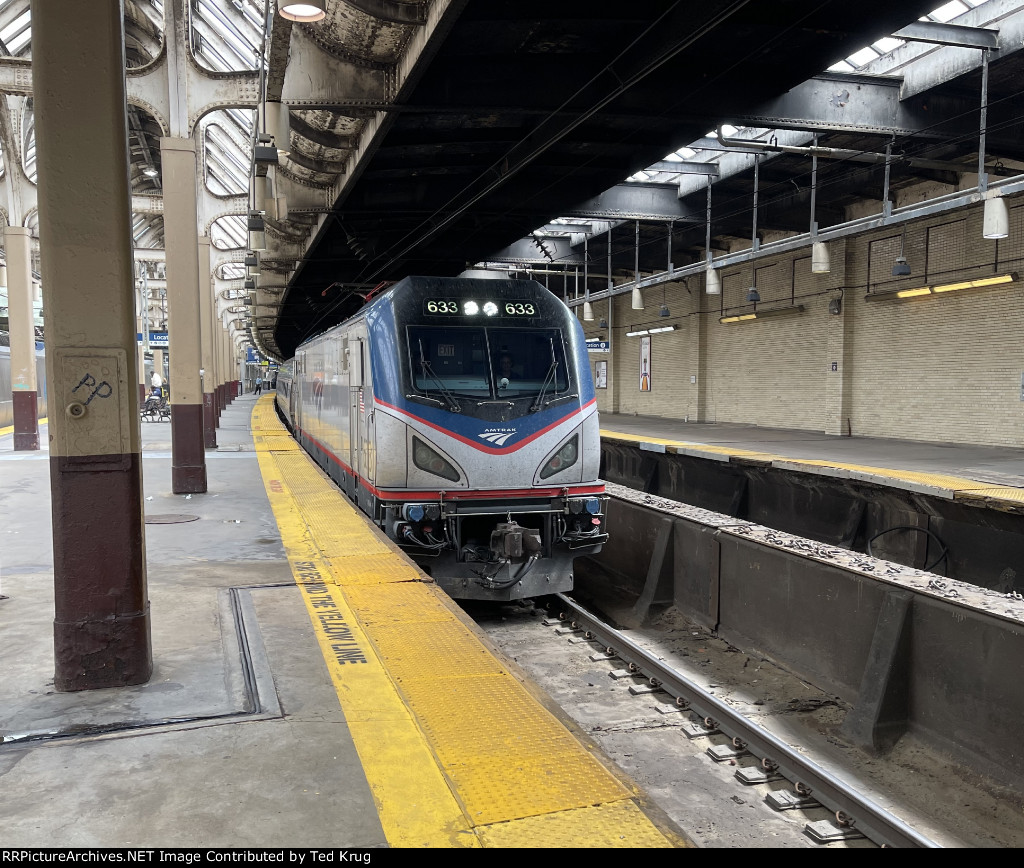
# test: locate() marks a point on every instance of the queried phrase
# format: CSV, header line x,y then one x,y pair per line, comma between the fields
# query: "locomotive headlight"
x,y
427,459
471,308
566,456
490,308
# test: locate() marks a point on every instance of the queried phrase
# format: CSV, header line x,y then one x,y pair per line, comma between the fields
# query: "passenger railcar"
x,y
460,415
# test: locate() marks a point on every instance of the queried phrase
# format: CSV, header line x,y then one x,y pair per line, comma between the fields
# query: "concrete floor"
x,y
188,760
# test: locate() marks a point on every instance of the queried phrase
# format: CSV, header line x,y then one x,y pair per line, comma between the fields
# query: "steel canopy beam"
x,y
638,201
949,34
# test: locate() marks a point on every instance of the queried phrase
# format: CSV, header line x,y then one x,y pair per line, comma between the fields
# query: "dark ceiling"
x,y
529,108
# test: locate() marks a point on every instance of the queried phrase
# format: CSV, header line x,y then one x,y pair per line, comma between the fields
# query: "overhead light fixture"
x,y
917,292
307,10
252,264
663,310
257,233
150,172
820,263
603,324
712,282
763,314
753,295
996,220
638,299
651,331
901,268
261,192
588,311
277,120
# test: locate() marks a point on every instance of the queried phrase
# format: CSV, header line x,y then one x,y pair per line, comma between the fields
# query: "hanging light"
x,y
820,263
257,233
252,264
588,311
638,299
3,275
664,311
261,192
307,10
901,268
277,120
753,295
712,282
996,222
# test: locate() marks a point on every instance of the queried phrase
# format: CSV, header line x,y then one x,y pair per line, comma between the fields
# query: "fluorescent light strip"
x,y
981,282
763,314
656,331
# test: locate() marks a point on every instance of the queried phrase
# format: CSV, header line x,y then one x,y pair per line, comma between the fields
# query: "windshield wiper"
x,y
549,379
453,405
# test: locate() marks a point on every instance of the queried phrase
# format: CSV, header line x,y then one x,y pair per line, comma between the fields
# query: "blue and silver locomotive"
x,y
460,415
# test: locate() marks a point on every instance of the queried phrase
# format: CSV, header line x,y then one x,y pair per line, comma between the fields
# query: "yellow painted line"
x,y
9,429
455,749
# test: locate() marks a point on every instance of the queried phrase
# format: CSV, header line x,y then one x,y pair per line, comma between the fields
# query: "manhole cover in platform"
x,y
170,518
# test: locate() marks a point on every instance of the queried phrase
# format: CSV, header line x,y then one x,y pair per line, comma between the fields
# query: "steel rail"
x,y
852,807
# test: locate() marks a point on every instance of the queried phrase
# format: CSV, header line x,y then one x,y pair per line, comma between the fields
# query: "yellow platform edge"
x,y
958,488
430,788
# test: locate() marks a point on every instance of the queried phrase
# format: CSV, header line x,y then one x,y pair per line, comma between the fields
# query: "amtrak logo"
x,y
497,436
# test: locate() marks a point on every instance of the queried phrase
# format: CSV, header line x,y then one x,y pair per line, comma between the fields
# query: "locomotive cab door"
x,y
360,411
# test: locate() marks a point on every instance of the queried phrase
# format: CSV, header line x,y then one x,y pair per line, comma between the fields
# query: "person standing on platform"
x,y
259,386
157,383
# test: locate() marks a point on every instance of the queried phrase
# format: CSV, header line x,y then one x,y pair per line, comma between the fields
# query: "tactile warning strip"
x,y
621,824
415,681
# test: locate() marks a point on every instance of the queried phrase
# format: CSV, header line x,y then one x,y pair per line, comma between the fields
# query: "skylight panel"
x,y
842,66
863,57
18,32
949,11
886,44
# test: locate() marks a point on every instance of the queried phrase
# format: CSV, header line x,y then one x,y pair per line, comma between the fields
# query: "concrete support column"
x,y
25,389
839,340
206,349
158,365
101,624
142,326
188,459
705,319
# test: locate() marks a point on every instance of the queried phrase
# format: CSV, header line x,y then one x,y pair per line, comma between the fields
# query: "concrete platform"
x,y
247,735
985,465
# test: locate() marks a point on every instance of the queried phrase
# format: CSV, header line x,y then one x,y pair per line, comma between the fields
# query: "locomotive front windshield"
x,y
488,364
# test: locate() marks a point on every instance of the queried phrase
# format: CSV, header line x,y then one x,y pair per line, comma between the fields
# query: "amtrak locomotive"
x,y
460,416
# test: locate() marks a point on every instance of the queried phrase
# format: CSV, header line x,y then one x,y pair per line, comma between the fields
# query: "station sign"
x,y
597,346
157,340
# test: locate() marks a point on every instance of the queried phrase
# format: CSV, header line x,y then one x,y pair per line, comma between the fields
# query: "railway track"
x,y
854,815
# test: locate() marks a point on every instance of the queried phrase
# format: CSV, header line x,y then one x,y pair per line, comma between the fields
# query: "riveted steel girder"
x,y
637,202
316,79
539,252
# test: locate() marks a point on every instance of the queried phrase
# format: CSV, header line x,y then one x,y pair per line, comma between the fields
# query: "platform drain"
x,y
170,518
